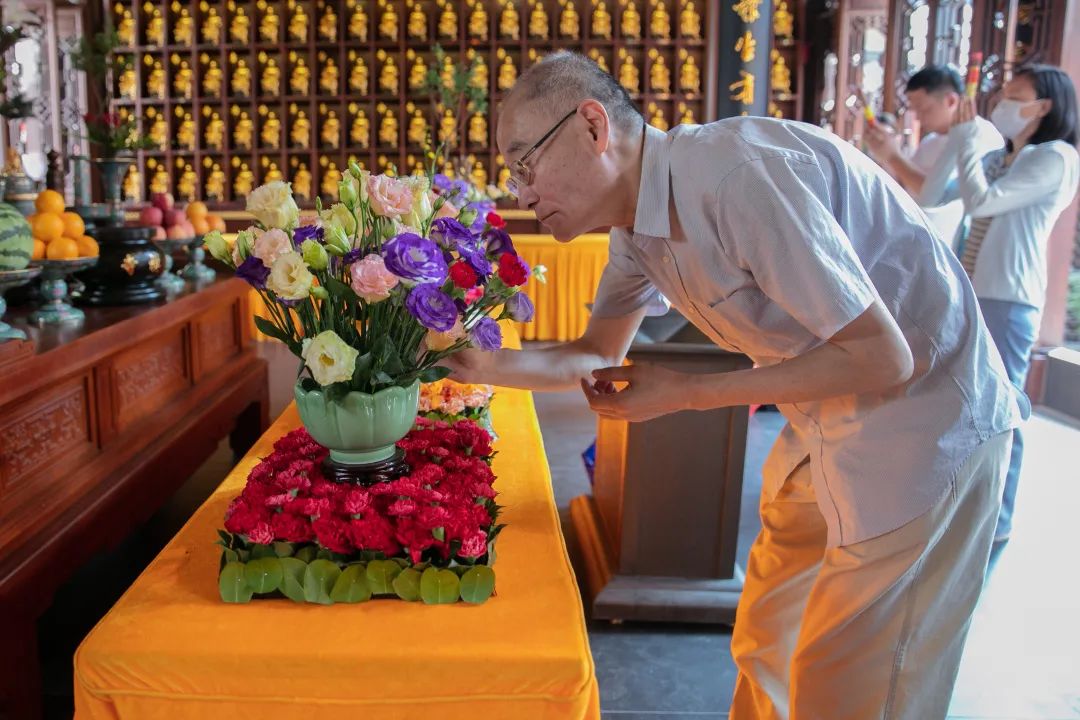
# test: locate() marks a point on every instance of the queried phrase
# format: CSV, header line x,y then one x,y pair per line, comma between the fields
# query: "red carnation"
x,y
475,545
242,518
463,276
261,534
373,532
291,528
332,533
512,270
495,220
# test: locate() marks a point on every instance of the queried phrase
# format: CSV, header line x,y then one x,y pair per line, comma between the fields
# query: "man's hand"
x,y
651,391
883,142
965,112
470,366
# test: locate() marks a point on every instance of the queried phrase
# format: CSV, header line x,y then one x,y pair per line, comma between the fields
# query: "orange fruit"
x,y
74,227
216,222
39,250
62,249
200,225
196,210
47,226
88,246
49,201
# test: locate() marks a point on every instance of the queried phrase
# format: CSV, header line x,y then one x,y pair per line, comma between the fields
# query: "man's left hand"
x,y
651,391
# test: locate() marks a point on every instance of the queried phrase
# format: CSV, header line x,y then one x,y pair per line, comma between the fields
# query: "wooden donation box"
x,y
658,535
100,423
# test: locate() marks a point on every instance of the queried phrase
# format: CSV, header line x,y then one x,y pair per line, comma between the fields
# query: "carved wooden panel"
x,y
147,377
55,428
216,338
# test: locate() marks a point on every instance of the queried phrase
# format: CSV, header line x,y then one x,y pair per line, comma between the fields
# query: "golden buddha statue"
x,y
330,181
184,81
686,114
478,129
569,21
244,182
659,74
300,135
184,28
479,174
213,78
272,173
509,21
214,189
783,23
240,26
480,77
125,27
159,129
601,20
212,25
360,132
448,22
446,74
298,24
129,86
328,77
358,21
270,24
388,21
300,80
388,126
358,75
629,77
159,183
631,21
660,21
503,175
417,132
656,117
133,184
448,128
538,21
690,21
271,76
417,22
188,184
301,184
155,83
241,77
780,76
387,167
507,71
243,132
418,70
214,134
328,24
186,134
155,28
331,130
535,56
271,131
388,73
598,58
478,21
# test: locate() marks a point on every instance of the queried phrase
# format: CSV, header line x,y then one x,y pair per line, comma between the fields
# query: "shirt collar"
x,y
651,217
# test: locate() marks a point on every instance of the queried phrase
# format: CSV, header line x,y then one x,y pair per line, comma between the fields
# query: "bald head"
x,y
562,80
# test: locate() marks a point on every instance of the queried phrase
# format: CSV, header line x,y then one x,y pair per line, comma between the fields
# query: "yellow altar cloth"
x,y
170,649
573,274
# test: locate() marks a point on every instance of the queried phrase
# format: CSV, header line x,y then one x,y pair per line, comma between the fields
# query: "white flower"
x,y
423,205
328,358
271,245
289,277
339,216
273,205
217,246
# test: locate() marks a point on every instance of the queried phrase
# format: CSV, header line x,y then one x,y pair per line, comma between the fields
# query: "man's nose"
x,y
527,197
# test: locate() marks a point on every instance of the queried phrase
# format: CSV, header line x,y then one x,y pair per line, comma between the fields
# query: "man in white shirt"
x,y
879,498
929,174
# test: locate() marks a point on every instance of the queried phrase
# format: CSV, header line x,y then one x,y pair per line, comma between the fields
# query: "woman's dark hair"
x,y
1051,83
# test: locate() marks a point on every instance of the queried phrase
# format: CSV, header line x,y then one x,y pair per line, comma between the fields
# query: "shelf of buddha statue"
x,y
239,24
359,127
214,185
187,182
569,22
132,188
478,22
507,74
328,22
127,85
155,77
779,77
689,21
481,76
213,130
656,117
243,129
659,73
186,133
389,75
124,22
659,20
689,73
299,21
299,128
301,179
183,77
330,128
627,73
509,21
299,75
417,132
630,20
270,171
212,77
329,77
212,29
154,34
159,180
331,179
243,179
270,133
686,114
388,135
359,75
239,76
358,21
269,22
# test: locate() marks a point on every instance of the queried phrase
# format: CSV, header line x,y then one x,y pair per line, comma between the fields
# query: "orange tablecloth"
x,y
170,649
573,273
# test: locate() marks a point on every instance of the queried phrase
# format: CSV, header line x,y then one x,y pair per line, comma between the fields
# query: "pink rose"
x,y
389,196
447,210
370,278
271,245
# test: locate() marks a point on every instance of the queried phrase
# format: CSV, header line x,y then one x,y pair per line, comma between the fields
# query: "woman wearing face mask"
x,y
1014,196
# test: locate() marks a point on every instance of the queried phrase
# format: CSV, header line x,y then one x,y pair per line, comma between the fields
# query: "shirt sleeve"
x,y
772,220
940,185
1034,176
623,287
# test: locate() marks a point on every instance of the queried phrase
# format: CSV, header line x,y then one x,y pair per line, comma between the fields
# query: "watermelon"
x,y
16,242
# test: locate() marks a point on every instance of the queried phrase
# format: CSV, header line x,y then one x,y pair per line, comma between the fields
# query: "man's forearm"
x,y
910,176
551,369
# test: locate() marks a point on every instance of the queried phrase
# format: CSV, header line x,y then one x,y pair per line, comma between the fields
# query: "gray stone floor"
x,y
1022,660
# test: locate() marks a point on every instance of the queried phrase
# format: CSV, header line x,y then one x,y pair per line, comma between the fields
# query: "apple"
x,y
151,216
159,233
174,217
178,232
162,201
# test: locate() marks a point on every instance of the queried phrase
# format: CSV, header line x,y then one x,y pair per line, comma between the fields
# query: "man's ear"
x,y
598,124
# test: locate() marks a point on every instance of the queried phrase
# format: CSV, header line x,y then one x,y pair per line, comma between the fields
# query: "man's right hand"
x,y
883,142
470,366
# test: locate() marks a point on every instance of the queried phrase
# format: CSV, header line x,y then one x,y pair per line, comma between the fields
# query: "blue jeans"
x,y
1014,328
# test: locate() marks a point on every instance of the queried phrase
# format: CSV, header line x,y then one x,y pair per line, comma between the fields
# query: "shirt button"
x,y
666,259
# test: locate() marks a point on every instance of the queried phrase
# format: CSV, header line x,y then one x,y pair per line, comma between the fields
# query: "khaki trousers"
x,y
872,630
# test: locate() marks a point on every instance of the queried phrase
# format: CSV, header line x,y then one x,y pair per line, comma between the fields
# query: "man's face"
x,y
935,110
565,188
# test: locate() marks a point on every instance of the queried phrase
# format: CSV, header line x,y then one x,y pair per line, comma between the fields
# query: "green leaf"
x,y
292,578
306,554
434,374
324,554
439,587
407,585
380,576
226,538
264,574
341,290
284,549
439,533
261,551
319,579
477,584
232,584
230,555
271,330
351,586
402,562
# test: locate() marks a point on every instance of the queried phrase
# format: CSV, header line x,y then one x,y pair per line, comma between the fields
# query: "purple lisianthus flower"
x,y
308,232
451,234
415,259
474,256
498,242
459,189
441,182
433,308
486,335
289,303
254,272
352,256
520,307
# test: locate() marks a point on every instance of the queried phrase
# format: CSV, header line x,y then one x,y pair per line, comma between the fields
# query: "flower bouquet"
x,y
448,401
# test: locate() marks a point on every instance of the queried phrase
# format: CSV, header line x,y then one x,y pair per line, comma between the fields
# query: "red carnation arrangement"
x,y
512,270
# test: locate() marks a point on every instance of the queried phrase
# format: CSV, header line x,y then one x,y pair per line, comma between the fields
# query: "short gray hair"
x,y
564,79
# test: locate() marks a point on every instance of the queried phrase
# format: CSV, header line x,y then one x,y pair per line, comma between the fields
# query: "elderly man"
x,y
781,242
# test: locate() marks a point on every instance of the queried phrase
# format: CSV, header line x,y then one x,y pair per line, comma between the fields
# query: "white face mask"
x,y
1007,118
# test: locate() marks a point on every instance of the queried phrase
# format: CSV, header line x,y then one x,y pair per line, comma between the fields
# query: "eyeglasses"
x,y
521,175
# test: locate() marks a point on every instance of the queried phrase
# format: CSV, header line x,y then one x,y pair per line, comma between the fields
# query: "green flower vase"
x,y
361,430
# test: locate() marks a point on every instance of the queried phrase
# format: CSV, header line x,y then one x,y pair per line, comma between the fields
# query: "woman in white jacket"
x,y
1014,196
